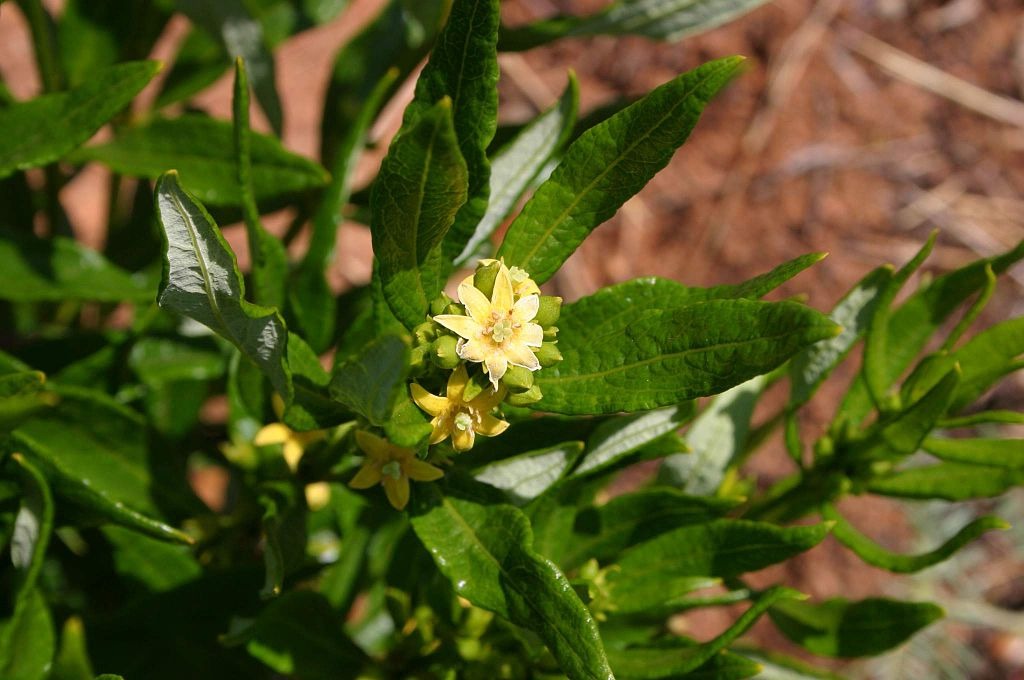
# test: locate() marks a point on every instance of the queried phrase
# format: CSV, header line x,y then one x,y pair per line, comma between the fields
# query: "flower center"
x,y
517,275
502,330
463,421
392,470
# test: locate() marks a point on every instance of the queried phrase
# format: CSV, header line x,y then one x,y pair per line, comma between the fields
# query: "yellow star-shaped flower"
x,y
459,419
392,466
496,332
293,443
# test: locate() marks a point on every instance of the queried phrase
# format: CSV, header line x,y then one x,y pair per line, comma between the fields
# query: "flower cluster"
x,y
478,352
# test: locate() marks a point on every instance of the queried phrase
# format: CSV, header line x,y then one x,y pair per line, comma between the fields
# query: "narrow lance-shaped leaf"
x,y
606,166
517,166
421,185
948,481
41,130
846,629
877,556
994,452
27,640
32,526
463,68
269,260
202,149
201,281
669,356
485,551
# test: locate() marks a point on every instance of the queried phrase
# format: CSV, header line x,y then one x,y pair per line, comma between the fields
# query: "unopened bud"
x,y
551,332
547,313
444,352
530,396
517,379
548,354
483,279
439,304
425,333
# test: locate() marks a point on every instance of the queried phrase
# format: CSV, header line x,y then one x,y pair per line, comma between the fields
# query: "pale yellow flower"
x,y
496,332
461,420
392,466
293,443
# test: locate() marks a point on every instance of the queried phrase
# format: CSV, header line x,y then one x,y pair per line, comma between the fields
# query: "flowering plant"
x,y
413,484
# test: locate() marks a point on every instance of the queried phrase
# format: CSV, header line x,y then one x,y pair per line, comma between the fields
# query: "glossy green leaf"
x,y
809,368
485,551
618,437
201,281
463,69
669,20
983,418
22,395
528,475
284,535
847,629
877,556
300,635
95,34
313,407
614,363
949,481
369,382
715,438
32,526
684,658
155,565
41,130
986,358
421,185
93,452
601,532
158,360
995,452
27,643
652,574
606,166
59,268
242,36
269,259
202,150
517,166
72,660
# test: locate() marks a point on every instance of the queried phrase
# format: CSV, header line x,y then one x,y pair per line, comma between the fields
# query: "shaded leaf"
x,y
949,481
369,382
995,452
155,565
27,643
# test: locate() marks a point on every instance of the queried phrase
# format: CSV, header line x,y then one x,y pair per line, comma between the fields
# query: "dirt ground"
x,y
859,127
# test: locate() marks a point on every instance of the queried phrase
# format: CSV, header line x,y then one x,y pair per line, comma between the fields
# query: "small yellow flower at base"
x,y
293,443
458,419
499,331
392,466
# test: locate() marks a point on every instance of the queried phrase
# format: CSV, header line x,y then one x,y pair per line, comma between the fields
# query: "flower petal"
x,y
490,426
292,454
397,491
318,495
501,298
531,334
462,440
373,446
422,471
430,403
457,383
519,354
526,309
463,325
442,428
496,365
367,476
275,433
474,350
477,304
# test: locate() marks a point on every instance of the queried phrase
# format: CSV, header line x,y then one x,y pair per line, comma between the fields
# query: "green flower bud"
x,y
439,304
418,359
517,379
454,308
551,332
550,308
483,278
425,333
443,352
548,354
530,396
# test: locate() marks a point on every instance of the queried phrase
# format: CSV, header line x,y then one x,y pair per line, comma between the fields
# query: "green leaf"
x,y
463,69
877,556
844,629
27,642
528,475
606,166
949,481
59,268
300,635
776,666
32,526
995,452
616,438
669,20
485,551
421,185
601,532
269,259
715,438
72,661
284,534
646,576
199,62
242,36
93,452
201,281
95,34
986,358
21,397
614,363
369,382
809,368
202,150
517,166
42,130
655,662
156,565
983,418
313,408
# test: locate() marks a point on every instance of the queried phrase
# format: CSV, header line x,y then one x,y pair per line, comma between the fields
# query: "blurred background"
x,y
859,127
